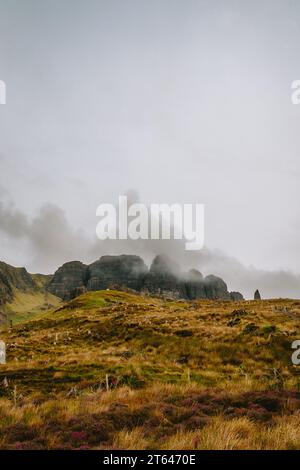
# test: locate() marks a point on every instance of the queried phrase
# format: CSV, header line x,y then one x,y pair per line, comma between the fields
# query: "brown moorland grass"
x,y
112,369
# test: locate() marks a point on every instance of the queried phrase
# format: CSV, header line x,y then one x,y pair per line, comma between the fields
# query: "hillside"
x,y
13,278
111,369
23,295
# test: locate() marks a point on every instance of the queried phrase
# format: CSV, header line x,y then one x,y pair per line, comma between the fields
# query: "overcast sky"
x,y
179,100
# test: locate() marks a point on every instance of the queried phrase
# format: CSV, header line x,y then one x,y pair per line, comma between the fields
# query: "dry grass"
x,y
239,434
27,305
117,370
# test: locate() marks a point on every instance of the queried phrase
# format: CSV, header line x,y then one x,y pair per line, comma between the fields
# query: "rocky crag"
x,y
164,278
13,278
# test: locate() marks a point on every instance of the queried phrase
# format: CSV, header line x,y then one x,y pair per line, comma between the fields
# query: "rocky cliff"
x,y
13,278
127,271
111,271
164,278
69,280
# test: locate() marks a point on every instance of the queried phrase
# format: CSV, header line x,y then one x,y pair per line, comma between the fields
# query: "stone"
x,y
113,271
77,291
195,286
164,279
257,295
236,296
67,278
216,288
13,278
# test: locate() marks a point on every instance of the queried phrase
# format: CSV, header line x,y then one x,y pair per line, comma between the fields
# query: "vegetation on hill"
x,y
113,369
26,305
13,278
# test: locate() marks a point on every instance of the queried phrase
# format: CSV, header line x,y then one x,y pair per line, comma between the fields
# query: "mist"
x,y
186,102
52,241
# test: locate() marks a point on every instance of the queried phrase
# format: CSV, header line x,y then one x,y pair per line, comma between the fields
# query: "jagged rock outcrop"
x,y
69,277
257,295
13,278
128,271
123,271
163,279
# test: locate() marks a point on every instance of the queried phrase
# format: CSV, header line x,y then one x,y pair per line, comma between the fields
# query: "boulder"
x,y
216,288
236,296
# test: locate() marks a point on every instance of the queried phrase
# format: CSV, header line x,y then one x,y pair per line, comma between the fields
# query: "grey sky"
x,y
183,101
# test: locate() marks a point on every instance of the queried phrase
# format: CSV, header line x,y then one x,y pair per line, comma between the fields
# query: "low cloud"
x,y
51,240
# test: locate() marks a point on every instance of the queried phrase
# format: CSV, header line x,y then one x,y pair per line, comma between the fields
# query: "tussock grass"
x,y
113,369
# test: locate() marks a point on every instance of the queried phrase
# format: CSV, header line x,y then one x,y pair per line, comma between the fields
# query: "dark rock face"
x,y
164,278
257,295
216,288
195,286
10,278
6,290
77,291
236,296
75,278
125,270
68,277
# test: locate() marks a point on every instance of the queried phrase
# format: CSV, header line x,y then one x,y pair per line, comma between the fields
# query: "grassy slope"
x,y
140,372
26,305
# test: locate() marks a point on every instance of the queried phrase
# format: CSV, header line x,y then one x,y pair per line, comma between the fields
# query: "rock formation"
x,y
13,278
195,287
124,270
127,271
163,279
257,295
216,288
236,296
68,278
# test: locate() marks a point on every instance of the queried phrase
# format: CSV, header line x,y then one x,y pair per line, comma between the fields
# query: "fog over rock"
x,y
124,270
181,101
48,240
164,278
